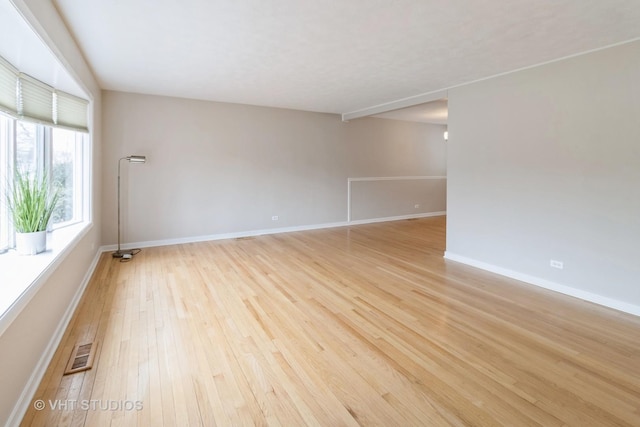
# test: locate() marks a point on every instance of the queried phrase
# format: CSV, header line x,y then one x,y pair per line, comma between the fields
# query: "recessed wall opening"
x,y
415,181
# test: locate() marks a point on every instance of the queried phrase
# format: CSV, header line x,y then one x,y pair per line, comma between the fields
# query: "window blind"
x,y
36,100
8,88
70,111
25,97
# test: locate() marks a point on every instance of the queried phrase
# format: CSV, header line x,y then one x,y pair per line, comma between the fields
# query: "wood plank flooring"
x,y
363,325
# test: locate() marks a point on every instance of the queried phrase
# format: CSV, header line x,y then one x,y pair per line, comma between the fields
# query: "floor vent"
x,y
246,238
81,358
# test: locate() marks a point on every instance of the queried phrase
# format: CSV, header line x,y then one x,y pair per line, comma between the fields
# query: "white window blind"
x,y
23,96
36,100
8,88
70,111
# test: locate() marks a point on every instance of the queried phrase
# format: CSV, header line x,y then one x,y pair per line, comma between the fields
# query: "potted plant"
x,y
31,202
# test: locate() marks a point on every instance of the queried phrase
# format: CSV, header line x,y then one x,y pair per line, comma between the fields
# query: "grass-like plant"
x,y
31,202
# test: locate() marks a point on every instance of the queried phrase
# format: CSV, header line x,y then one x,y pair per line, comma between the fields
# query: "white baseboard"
x,y
222,236
547,284
396,218
21,407
254,233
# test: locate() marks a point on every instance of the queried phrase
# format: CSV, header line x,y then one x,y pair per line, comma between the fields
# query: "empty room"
x,y
290,213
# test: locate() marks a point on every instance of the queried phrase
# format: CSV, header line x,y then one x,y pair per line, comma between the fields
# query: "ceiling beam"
x,y
396,105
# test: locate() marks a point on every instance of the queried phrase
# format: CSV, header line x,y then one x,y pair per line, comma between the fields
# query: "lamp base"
x,y
125,254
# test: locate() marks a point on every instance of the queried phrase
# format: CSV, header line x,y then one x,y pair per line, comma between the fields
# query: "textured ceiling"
x,y
329,55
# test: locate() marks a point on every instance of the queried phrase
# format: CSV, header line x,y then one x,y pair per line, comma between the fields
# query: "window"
x,y
27,149
44,132
66,171
39,149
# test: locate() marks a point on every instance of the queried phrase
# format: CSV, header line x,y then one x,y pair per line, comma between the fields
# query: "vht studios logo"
x,y
88,405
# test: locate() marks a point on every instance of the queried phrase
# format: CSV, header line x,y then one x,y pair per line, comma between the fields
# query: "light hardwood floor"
x,y
363,325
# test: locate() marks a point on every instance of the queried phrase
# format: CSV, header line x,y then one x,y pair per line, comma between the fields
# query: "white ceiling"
x,y
336,56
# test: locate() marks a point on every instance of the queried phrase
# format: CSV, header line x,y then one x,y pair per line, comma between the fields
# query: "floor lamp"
x,y
127,253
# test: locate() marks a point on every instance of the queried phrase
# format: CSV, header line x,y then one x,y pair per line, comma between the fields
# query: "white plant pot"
x,y
31,243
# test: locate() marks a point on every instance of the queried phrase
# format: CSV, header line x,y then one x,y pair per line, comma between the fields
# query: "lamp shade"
x,y
137,159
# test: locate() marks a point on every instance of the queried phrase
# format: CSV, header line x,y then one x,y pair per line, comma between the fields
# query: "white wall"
x,y
382,198
216,168
545,164
23,345
416,148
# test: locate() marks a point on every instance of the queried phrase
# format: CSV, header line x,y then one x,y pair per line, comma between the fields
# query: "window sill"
x,y
23,275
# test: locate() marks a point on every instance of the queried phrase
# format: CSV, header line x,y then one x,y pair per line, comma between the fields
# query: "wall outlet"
x,y
417,206
274,218
556,264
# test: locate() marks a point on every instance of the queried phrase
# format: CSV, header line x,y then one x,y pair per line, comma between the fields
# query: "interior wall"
x,y
418,154
544,164
416,149
375,199
24,345
216,168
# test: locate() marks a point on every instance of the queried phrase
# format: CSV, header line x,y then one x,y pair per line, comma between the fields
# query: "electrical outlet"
x,y
274,218
556,264
417,206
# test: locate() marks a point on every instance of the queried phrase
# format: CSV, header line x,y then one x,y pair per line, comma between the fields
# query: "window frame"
x,y
7,134
43,162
